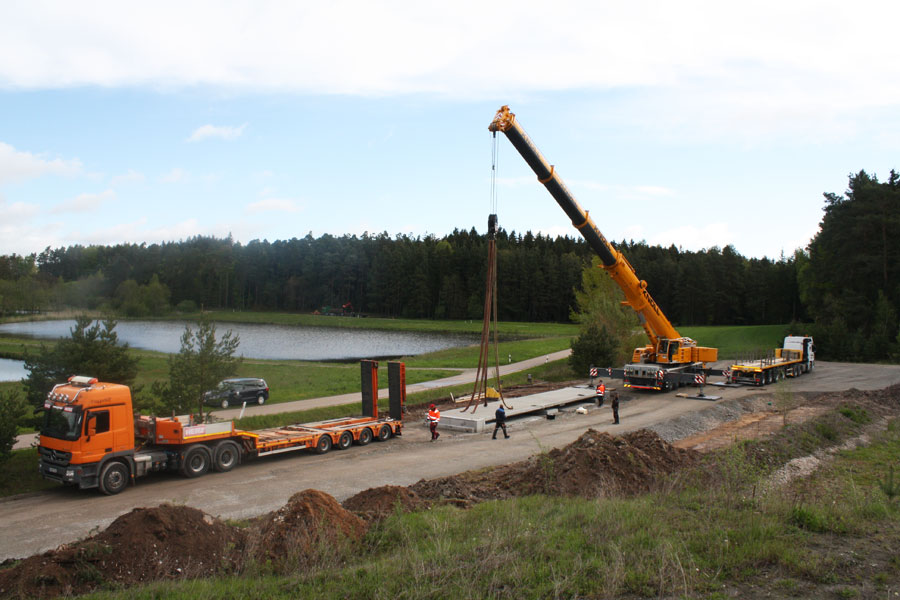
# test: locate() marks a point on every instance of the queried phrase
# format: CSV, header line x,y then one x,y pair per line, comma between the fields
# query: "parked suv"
x,y
237,391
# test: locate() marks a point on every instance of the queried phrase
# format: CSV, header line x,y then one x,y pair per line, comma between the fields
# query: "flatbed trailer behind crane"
x,y
796,357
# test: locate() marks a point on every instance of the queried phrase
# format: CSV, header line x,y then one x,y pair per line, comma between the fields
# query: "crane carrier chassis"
x,y
91,439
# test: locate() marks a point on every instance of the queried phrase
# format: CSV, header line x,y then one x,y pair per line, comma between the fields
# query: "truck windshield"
x,y
63,423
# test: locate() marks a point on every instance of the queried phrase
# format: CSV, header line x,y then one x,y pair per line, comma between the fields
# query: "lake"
x,y
274,342
11,370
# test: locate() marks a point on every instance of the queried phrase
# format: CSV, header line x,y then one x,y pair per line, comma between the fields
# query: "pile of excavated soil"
x,y
174,542
595,465
143,545
598,464
309,518
379,502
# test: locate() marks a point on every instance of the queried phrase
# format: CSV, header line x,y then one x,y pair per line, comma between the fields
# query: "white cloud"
x,y
130,176
273,205
458,46
176,175
216,132
17,165
698,69
16,213
84,202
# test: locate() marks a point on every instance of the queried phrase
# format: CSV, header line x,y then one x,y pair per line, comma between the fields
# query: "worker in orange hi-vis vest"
x,y
601,393
434,417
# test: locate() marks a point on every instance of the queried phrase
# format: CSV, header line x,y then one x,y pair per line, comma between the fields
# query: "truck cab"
x,y
804,347
86,425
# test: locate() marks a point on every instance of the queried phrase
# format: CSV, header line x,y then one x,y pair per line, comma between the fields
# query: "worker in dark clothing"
x,y
500,421
615,407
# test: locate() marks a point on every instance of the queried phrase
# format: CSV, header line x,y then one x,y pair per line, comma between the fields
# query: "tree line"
x,y
402,276
846,281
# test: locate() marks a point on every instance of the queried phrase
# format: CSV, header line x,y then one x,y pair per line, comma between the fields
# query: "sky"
x,y
695,123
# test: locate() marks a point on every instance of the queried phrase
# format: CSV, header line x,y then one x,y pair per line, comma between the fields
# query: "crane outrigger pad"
x,y
699,397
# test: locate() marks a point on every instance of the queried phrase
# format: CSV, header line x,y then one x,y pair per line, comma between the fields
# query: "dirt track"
x,y
38,522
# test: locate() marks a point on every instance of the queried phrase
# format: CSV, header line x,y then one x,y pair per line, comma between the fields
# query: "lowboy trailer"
x,y
90,437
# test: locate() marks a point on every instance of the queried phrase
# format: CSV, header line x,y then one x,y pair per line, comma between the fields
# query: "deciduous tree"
x,y
200,364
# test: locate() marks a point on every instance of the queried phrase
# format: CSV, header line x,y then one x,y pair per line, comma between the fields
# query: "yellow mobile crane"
x,y
670,359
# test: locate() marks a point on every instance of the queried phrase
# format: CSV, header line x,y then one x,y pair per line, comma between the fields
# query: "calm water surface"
x,y
276,342
11,370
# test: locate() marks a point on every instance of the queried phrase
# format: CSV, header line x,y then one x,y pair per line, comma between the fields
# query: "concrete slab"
x,y
475,421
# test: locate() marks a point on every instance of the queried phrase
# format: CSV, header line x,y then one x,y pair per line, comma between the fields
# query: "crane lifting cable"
x,y
489,322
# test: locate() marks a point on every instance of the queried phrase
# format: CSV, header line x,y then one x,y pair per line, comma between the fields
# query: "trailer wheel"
x,y
323,444
384,433
226,456
345,441
113,478
196,461
365,436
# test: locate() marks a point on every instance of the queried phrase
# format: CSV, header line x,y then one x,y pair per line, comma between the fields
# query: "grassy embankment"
x,y
708,533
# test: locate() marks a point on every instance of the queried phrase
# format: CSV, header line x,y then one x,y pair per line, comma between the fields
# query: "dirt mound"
x,y
377,503
309,518
598,464
174,542
143,545
594,465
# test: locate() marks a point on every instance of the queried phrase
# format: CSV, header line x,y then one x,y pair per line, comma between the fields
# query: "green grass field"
x,y
733,341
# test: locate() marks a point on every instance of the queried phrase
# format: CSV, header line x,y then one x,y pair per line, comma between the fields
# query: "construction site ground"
x,y
285,495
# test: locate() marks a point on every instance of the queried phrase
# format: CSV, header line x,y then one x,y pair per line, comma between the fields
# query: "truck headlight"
x,y
70,473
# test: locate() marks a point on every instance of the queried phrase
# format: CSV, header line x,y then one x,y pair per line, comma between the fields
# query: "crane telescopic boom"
x,y
666,346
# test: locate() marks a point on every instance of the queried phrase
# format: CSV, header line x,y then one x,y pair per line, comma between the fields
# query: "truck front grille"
x,y
56,457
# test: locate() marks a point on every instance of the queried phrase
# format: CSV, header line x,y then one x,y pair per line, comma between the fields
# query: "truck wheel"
x,y
224,403
384,433
113,478
365,436
323,444
345,441
227,455
195,462
260,399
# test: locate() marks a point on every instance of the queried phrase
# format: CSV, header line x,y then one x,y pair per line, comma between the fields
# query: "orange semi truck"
x,y
90,437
